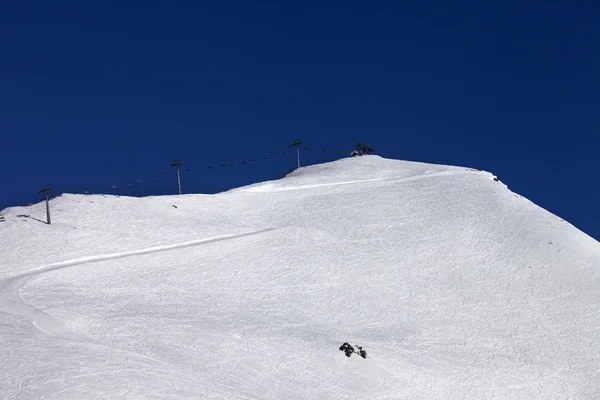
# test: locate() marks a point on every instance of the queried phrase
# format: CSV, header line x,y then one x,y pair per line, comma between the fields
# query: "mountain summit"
x,y
454,286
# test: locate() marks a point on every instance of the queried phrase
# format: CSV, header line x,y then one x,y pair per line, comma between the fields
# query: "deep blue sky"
x,y
100,93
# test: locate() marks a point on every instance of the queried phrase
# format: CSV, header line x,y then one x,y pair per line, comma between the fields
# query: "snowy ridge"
x,y
455,286
346,171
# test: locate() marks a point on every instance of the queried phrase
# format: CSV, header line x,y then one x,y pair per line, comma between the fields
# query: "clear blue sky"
x,y
107,92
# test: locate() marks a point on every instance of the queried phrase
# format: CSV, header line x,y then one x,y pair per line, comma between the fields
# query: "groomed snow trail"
x,y
12,303
273,187
455,286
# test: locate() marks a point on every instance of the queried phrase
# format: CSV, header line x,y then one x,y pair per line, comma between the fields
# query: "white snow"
x,y
455,286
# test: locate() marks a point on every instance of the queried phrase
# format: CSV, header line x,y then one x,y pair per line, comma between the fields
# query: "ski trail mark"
x,y
271,188
11,301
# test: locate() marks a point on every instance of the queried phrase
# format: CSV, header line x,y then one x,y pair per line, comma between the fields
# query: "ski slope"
x,y
455,286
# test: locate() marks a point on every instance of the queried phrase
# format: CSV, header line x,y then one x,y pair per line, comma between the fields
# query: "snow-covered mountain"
x,y
455,286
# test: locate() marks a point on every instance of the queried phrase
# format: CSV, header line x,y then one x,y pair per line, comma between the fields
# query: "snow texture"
x,y
455,286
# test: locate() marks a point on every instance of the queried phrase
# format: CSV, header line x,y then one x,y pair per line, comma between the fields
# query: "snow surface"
x,y
457,288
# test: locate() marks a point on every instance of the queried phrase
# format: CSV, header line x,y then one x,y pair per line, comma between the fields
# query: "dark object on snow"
x,y
347,349
361,352
174,206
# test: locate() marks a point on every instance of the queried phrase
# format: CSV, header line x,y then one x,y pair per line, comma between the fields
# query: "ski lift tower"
x,y
44,190
177,164
297,143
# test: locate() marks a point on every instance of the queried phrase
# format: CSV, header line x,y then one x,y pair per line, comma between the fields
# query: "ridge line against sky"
x,y
92,93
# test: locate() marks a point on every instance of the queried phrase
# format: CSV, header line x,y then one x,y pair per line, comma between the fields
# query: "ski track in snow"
x,y
12,303
269,188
